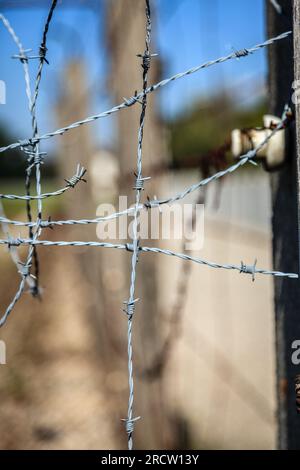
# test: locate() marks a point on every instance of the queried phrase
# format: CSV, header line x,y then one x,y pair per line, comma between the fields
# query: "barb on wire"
x,y
24,271
12,250
241,268
80,172
139,96
71,183
243,387
34,158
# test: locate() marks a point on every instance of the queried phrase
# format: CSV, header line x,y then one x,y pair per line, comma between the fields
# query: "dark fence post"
x,y
284,184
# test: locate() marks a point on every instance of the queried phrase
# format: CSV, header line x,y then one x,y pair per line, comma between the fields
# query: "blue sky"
x,y
189,32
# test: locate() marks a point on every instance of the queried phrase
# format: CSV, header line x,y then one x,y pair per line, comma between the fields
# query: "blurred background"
x,y
203,339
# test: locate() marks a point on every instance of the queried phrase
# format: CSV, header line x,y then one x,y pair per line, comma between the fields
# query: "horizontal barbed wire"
x,y
128,102
71,183
246,269
50,222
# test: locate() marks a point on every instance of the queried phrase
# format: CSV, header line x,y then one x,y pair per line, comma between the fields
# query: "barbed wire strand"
x,y
13,251
248,157
71,183
181,195
150,204
128,102
24,271
139,183
35,158
242,268
25,267
31,148
248,392
277,7
23,58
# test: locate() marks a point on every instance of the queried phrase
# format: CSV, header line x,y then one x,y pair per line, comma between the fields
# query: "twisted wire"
x,y
128,102
24,272
139,183
247,157
71,183
36,145
31,147
32,254
50,223
23,58
150,204
242,268
13,250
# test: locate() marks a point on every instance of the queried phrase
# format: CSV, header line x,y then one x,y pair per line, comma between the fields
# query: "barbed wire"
x,y
31,148
277,6
22,53
71,183
34,159
242,268
128,102
13,250
34,153
150,203
25,267
139,186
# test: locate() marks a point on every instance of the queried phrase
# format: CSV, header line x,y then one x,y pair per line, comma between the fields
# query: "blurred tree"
x,y
208,126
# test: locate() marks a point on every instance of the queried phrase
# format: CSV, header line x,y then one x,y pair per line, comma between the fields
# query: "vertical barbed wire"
x,y
13,251
23,58
25,268
35,156
139,183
